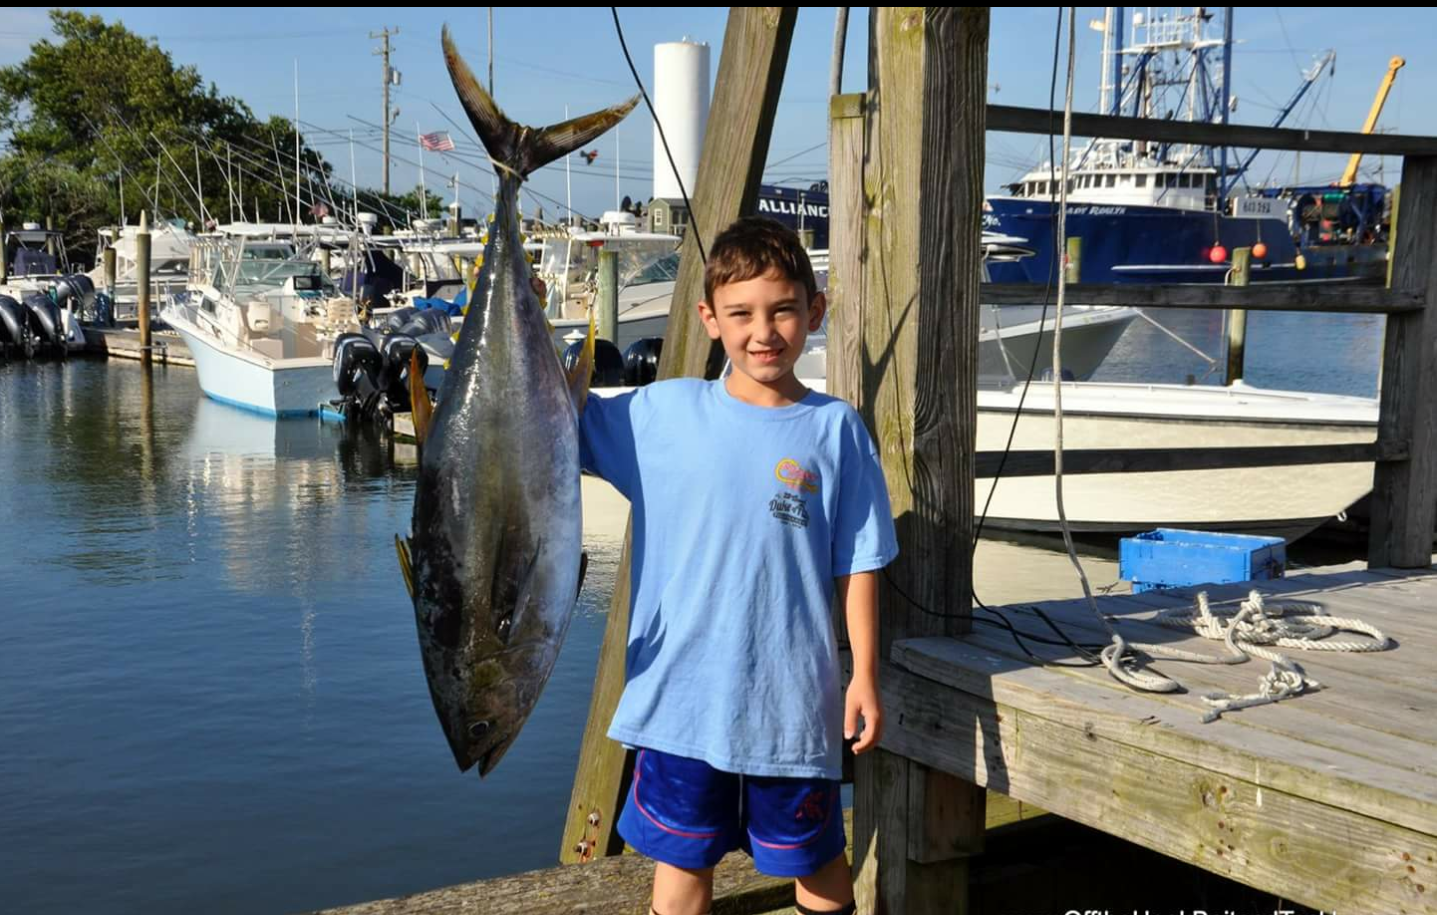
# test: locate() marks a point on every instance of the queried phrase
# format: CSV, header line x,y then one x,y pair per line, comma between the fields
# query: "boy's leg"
x,y
684,814
829,889
680,891
794,828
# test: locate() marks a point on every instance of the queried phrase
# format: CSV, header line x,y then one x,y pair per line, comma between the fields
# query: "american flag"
x,y
436,142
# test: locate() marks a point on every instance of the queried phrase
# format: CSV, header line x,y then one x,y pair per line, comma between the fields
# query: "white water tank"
x,y
681,101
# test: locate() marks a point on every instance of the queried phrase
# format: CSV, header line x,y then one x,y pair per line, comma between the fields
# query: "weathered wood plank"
x,y
1400,613
621,884
946,820
917,355
1404,495
1165,725
1390,607
1395,721
1321,855
846,208
755,53
1012,119
1374,771
1398,665
616,885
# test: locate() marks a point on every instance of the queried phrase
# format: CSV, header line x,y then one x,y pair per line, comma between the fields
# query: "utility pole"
x,y
388,78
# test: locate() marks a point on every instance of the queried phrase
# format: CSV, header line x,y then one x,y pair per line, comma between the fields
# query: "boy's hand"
x,y
862,700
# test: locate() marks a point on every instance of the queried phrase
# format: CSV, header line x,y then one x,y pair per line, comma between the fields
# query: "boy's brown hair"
x,y
756,246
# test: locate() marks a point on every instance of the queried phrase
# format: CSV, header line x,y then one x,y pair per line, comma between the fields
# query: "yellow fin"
x,y
583,371
419,402
406,564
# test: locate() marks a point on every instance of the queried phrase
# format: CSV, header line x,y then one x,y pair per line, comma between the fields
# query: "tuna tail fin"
x,y
522,149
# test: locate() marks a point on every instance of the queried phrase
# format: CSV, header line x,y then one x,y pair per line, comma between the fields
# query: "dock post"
x,y
1237,318
1074,264
1404,493
142,286
608,297
109,261
915,384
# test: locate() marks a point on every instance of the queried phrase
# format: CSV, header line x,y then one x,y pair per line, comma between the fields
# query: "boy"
x,y
754,500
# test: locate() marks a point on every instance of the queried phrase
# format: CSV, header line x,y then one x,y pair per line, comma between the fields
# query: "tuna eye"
x,y
478,729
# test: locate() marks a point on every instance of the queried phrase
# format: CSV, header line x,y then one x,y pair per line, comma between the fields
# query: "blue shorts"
x,y
688,814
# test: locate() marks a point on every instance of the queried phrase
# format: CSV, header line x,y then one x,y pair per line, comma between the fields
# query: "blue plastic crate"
x,y
1167,558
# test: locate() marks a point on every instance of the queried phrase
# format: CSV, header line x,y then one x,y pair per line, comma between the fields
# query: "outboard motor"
x,y
357,365
397,319
15,333
641,361
46,320
427,321
394,378
76,292
608,363
104,310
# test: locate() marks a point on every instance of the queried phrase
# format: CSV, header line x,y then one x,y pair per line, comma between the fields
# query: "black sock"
x,y
846,910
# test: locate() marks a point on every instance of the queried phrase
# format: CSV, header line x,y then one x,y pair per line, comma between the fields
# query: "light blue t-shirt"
x,y
742,518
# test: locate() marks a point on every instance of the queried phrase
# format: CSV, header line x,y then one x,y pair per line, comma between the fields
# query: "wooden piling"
x,y
1074,263
1237,318
918,306
1404,493
608,296
142,286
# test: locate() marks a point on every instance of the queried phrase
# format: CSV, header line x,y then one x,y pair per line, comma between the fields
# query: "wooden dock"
x,y
1328,798
124,343
620,883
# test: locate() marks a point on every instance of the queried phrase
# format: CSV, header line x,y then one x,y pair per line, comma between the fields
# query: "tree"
x,y
100,108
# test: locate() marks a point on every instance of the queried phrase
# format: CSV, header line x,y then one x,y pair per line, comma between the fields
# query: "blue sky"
x,y
549,57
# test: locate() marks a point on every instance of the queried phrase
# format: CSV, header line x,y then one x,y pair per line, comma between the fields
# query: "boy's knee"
x,y
681,890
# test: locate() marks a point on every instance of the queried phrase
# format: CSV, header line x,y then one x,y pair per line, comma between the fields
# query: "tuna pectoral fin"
x,y
406,565
583,371
583,570
419,402
523,149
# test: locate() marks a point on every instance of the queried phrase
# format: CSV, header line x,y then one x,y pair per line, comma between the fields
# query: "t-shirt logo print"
x,y
791,474
788,505
814,807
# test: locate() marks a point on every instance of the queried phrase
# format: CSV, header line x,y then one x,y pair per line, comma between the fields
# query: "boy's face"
x,y
763,324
